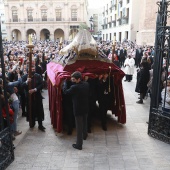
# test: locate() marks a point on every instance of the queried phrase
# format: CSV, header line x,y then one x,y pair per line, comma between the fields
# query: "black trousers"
x,y
128,77
23,102
81,128
103,107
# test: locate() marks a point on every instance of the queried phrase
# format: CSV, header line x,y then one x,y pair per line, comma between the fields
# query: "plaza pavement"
x,y
121,147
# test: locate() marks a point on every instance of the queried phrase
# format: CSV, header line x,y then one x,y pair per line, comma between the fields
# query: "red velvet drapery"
x,y
57,73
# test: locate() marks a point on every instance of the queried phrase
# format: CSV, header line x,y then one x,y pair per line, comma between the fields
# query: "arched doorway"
x,y
32,33
58,34
45,34
16,35
73,33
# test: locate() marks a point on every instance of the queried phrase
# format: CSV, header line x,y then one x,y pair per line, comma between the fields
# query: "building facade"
x,y
147,25
44,19
95,22
2,19
120,20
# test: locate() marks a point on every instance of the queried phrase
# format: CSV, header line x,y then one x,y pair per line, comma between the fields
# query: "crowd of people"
x,y
127,55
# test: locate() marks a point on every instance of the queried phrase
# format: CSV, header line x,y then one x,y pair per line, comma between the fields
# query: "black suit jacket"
x,y
80,97
123,53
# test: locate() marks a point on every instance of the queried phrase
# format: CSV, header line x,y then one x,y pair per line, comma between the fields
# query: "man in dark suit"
x,y
138,57
105,97
80,98
123,55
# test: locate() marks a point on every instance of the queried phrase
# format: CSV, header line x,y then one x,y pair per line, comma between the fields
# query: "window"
x,y
44,14
73,14
128,1
15,16
30,16
126,35
58,14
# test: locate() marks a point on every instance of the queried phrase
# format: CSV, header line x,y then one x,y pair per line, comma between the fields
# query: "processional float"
x,y
82,54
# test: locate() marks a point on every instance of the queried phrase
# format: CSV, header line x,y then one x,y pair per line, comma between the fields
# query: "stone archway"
x,y
73,33
45,34
16,35
58,34
31,32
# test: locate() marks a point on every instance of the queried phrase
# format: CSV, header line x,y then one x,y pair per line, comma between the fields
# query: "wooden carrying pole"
x,y
30,46
113,48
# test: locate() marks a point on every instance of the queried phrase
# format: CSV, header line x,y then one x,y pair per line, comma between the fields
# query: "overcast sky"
x,y
95,3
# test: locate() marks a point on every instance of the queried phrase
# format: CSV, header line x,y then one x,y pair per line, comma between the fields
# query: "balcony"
x,y
30,19
73,19
42,20
119,19
125,20
125,17
15,20
58,19
114,5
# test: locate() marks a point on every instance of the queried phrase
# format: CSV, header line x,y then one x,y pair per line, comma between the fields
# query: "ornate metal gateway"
x,y
6,145
159,119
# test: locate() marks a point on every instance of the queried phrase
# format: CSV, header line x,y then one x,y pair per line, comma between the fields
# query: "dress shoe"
x,y
77,147
85,137
125,80
16,133
104,127
89,130
13,137
41,128
69,132
140,102
23,114
32,126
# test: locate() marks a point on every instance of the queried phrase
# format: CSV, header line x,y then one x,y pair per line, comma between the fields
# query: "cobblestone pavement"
x,y
121,147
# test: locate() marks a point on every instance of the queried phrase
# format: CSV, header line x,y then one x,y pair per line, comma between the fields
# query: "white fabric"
x,y
167,99
82,43
14,97
129,70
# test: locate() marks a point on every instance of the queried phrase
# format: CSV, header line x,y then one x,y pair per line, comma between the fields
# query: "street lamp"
x,y
91,24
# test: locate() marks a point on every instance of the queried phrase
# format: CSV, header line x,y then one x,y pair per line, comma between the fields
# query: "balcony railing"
x,y
15,20
73,19
30,19
123,21
125,17
43,19
58,19
114,5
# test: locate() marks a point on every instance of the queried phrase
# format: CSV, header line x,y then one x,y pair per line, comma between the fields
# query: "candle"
x,y
114,41
61,39
30,39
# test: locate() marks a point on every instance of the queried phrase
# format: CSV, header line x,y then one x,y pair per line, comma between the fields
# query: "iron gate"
x,y
6,145
159,120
